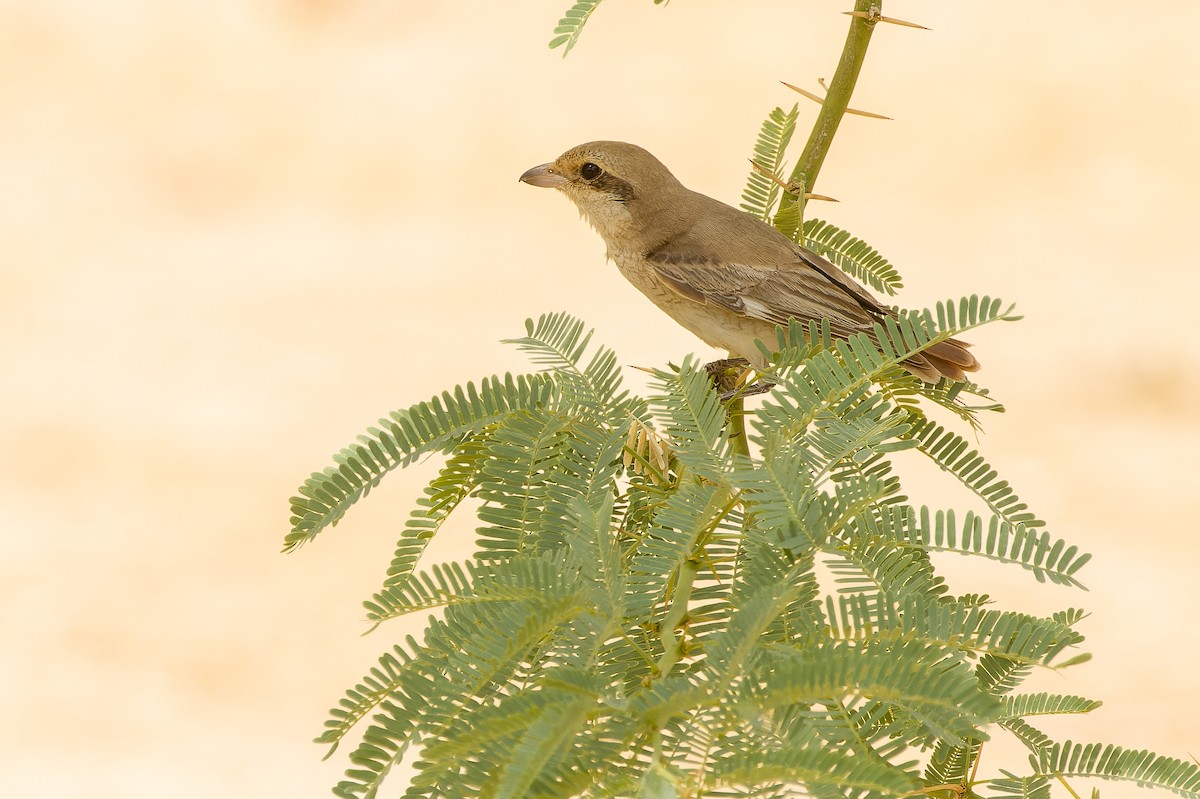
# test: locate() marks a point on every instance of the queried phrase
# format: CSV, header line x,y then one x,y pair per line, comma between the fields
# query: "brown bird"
x,y
724,275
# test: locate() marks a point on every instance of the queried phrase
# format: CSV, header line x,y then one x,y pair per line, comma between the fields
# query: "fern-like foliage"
x,y
567,32
767,196
1105,761
761,195
853,255
742,617
438,425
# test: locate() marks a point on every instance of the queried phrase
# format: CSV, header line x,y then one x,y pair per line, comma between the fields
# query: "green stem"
x,y
679,607
837,99
735,414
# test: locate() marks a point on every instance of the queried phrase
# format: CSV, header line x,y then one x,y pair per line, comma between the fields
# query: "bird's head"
x,y
615,185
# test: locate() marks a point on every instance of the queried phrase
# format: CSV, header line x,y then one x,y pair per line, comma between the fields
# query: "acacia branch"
x,y
837,100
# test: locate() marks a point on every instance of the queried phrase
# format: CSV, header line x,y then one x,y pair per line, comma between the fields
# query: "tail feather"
x,y
949,359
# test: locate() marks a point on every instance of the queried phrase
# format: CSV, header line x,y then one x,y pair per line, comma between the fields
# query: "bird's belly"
x,y
716,326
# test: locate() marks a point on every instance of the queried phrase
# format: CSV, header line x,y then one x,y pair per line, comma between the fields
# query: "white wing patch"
x,y
755,308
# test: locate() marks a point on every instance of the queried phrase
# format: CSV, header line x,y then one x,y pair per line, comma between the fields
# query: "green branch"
x,y
837,100
686,577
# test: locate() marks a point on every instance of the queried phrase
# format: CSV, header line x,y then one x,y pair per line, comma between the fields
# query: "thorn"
x,y
819,101
790,188
877,17
771,176
804,92
870,114
766,173
903,23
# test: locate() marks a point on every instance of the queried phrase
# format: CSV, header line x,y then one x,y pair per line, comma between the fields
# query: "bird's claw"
x,y
728,376
761,387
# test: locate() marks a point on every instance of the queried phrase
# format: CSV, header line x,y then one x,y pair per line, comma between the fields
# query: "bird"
x,y
726,276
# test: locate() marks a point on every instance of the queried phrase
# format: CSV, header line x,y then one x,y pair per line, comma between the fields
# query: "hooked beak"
x,y
544,177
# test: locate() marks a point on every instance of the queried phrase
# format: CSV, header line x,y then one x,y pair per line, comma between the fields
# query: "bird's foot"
x,y
729,376
761,387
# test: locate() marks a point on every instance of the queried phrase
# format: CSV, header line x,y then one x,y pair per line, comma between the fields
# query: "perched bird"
x,y
724,275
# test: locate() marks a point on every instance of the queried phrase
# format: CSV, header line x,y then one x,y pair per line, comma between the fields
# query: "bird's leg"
x,y
729,376
761,387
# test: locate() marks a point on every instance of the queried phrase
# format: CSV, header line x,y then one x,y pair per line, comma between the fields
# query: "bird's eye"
x,y
589,171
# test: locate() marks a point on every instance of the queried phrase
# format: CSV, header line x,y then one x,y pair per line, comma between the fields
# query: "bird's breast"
x,y
716,326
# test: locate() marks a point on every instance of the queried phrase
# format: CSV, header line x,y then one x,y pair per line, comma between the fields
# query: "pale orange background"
x,y
236,233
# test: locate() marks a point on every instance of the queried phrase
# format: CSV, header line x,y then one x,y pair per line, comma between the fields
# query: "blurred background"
x,y
237,233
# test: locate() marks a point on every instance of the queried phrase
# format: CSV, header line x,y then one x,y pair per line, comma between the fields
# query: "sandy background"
x,y
235,233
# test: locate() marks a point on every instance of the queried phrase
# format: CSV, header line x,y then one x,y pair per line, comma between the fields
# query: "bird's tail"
x,y
949,359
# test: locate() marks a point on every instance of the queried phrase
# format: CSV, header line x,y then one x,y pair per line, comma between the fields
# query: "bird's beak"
x,y
544,176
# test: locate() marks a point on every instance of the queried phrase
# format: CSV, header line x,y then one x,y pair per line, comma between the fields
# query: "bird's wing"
x,y
806,288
